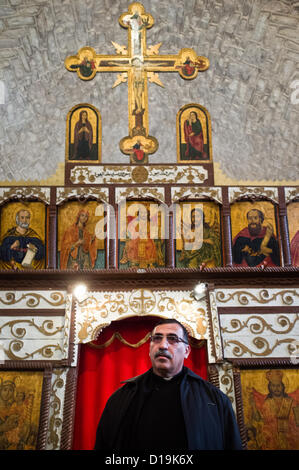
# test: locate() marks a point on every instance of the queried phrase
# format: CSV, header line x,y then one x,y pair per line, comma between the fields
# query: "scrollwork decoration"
x,y
46,327
226,379
260,343
264,297
34,299
55,405
46,351
260,324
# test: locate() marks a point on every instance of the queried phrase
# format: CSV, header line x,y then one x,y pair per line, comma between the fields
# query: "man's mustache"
x,y
163,353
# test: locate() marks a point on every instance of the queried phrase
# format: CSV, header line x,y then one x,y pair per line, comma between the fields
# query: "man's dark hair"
x,y
260,213
173,320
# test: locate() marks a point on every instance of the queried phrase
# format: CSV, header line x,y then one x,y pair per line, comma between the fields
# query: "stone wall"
x,y
253,47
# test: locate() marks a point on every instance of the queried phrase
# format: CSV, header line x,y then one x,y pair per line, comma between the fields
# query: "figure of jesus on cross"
x,y
136,65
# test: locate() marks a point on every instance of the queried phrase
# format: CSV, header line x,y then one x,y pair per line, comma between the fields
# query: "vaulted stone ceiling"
x,y
253,48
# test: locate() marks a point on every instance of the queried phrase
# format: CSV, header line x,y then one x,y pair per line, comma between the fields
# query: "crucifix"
x,y
136,65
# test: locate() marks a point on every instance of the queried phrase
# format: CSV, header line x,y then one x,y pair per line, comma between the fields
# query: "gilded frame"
x,y
69,211
95,120
263,365
14,371
212,227
239,224
141,252
205,121
36,233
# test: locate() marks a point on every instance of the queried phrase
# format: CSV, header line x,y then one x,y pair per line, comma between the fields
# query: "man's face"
x,y
168,359
254,222
23,219
276,389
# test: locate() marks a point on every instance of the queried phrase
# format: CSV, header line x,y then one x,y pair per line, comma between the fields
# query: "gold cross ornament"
x,y
135,65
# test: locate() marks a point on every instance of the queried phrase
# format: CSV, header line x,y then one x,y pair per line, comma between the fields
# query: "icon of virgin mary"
x,y
83,136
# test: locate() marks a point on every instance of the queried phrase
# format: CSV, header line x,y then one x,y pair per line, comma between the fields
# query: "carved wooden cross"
x,y
143,304
136,65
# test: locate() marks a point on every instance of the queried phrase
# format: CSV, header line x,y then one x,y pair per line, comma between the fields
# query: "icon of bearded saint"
x,y
256,244
21,247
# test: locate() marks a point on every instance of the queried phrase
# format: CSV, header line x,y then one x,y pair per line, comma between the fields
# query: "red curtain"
x,y
106,362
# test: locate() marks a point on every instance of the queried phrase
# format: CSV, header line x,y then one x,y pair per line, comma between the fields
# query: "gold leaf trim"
x,y
261,325
118,336
244,297
46,351
236,193
24,193
21,332
194,343
34,299
55,404
260,343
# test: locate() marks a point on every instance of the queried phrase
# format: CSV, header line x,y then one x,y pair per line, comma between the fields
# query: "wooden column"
x,y
283,221
227,235
169,241
112,248
52,231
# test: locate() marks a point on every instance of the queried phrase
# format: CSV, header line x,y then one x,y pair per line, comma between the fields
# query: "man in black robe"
x,y
169,407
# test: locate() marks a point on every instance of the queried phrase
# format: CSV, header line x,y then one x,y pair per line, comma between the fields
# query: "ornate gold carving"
x,y
227,381
118,336
185,308
97,331
253,193
34,299
158,174
82,193
138,193
112,305
195,192
20,332
25,193
55,407
291,193
264,296
67,324
260,343
216,343
139,174
261,324
91,310
144,304
201,325
46,351
85,326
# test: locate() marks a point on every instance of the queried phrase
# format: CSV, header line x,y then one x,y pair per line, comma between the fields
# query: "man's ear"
x,y
187,351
